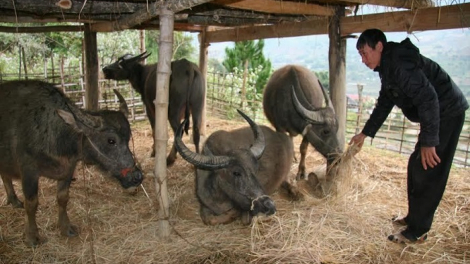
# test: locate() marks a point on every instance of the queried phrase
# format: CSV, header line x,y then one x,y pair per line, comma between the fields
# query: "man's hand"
x,y
358,140
429,157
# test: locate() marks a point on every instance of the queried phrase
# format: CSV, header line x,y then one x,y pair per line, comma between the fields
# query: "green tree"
x,y
324,78
182,45
247,56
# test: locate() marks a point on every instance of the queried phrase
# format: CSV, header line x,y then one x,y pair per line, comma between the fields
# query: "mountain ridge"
x,y
449,48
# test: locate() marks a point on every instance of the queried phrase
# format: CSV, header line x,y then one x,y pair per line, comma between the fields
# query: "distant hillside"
x,y
450,48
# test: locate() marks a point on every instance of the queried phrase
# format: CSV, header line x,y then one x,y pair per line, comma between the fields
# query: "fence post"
x,y
360,88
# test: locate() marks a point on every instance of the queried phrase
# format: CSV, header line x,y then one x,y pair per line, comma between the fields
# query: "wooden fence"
x,y
397,133
223,98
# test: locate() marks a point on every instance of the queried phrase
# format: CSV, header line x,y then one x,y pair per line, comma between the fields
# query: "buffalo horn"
x,y
139,57
199,160
311,115
122,104
88,120
327,101
259,144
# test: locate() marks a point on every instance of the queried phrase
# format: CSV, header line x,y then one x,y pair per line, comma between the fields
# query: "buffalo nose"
x,y
269,205
138,177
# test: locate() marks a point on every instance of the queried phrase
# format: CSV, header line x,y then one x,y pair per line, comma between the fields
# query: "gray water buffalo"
x,y
237,170
302,114
44,134
186,96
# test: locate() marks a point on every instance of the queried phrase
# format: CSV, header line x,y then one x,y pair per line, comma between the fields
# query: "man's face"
x,y
371,57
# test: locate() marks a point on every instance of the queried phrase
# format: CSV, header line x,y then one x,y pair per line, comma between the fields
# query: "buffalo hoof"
x,y
15,203
34,240
170,161
69,231
301,175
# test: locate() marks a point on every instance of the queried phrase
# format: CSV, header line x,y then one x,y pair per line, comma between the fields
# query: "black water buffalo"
x,y
186,96
237,170
42,133
306,116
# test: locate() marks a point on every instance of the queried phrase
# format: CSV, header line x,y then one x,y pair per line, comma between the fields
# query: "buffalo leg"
x,y
66,229
292,191
196,132
151,117
174,123
30,183
303,153
11,195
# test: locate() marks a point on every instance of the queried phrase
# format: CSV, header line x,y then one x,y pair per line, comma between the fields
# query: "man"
x,y
426,94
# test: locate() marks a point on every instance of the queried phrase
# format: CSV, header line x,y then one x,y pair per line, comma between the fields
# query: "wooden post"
x,y
203,51
337,61
91,69
142,43
360,88
161,116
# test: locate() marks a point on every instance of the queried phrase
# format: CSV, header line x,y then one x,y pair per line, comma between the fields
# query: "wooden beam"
x,y
145,15
278,7
435,18
409,4
42,29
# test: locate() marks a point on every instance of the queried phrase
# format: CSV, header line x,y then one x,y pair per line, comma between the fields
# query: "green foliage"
x,y
182,47
230,89
249,53
116,44
64,43
11,45
324,78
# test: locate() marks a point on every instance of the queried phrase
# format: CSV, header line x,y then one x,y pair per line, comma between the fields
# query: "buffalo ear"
x,y
69,119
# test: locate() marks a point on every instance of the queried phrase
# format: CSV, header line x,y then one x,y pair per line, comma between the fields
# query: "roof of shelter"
x,y
234,17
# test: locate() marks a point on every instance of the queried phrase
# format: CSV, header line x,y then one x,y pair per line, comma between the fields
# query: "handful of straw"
x,y
339,177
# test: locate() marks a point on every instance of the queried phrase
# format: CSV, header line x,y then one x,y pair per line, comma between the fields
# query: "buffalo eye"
x,y
111,141
237,174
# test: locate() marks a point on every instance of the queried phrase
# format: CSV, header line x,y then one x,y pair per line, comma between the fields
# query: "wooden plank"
x,y
435,18
279,7
316,27
393,3
146,14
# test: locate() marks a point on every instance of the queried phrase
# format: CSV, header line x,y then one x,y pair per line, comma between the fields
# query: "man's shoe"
x,y
402,239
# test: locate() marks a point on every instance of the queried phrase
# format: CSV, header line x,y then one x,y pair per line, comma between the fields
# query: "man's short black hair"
x,y
371,37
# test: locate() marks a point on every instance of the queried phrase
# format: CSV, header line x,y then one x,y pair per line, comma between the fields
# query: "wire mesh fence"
x,y
224,97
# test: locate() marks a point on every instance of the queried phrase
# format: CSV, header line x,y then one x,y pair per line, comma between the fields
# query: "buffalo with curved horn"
x,y
293,103
237,170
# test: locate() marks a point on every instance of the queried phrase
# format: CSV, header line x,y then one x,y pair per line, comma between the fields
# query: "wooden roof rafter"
x,y
278,7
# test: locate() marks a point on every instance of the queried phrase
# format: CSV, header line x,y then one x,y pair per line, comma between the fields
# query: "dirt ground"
x,y
120,227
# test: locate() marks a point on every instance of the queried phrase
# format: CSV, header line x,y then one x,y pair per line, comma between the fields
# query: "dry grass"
x,y
117,227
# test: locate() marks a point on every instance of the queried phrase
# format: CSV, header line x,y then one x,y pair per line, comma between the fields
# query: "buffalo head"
x,y
320,126
120,69
106,136
227,179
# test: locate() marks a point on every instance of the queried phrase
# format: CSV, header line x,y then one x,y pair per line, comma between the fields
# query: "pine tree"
x,y
248,56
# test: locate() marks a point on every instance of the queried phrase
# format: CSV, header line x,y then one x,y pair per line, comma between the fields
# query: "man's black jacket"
x,y
419,86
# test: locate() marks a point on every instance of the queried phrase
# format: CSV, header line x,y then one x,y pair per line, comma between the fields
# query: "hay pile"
x,y
117,227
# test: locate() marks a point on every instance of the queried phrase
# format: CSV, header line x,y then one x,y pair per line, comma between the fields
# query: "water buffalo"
x,y
44,134
187,91
305,116
237,170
